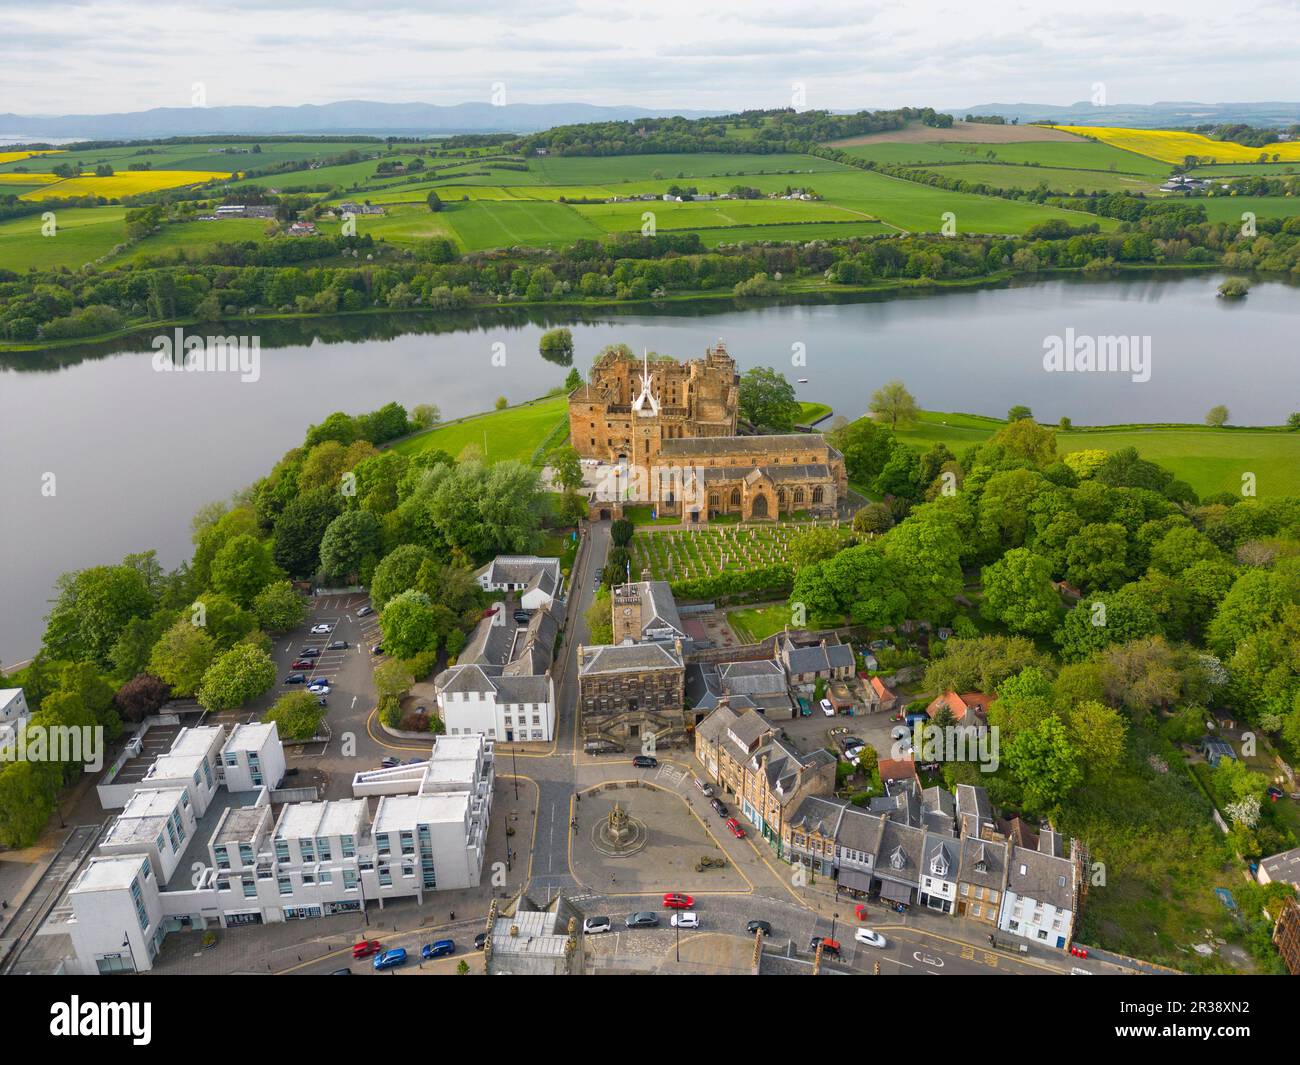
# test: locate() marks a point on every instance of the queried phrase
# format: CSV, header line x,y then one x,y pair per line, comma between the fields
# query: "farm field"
x,y
1223,170
83,235
1173,146
627,217
1070,155
1209,460
192,236
500,225
400,224
1008,176
599,170
1230,208
123,183
969,132
192,155
513,433
795,231
703,551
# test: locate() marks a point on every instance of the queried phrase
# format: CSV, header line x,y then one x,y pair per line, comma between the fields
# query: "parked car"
x,y
594,925
390,959
303,663
321,630
733,826
642,920
390,762
296,678
319,687
754,927
521,616
440,949
377,649
704,788
365,611
676,901
719,806
337,645
480,941
870,938
366,947
309,652
827,709
829,946
341,972
686,919
645,761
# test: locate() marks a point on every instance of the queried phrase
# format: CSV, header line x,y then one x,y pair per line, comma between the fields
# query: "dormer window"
x,y
898,859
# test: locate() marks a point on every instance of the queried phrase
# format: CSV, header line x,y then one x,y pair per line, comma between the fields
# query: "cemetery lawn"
x,y
676,555
754,624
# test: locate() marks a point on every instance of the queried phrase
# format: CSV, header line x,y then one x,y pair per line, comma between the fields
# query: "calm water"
x,y
135,452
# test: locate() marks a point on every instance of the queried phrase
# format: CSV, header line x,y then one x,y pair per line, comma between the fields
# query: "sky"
x,y
66,57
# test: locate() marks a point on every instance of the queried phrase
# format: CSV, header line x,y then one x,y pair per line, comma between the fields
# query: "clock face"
x,y
627,611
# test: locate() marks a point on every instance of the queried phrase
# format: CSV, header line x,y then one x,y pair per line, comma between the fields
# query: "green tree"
x,y
348,548
240,674
242,568
409,625
1018,592
874,518
396,572
1046,765
556,345
893,403
866,446
566,465
27,795
300,529
813,545
767,400
600,620
574,380
297,715
1217,416
279,607
425,415
90,610
182,655
1019,412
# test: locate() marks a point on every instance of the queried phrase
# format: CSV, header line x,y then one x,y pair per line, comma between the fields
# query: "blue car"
x,y
439,949
390,959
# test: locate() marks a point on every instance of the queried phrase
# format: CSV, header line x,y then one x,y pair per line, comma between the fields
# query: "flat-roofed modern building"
x,y
253,757
156,822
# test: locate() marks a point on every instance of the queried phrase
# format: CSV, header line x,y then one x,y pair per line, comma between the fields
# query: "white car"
x,y
321,630
592,925
827,709
319,687
870,938
686,919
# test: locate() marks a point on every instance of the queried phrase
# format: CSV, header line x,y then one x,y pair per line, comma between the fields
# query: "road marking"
x,y
354,702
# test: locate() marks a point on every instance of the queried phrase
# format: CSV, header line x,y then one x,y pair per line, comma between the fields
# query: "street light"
x,y
126,942
834,917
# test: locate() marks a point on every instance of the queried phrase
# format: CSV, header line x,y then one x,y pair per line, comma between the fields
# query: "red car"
x,y
735,828
674,901
366,948
303,663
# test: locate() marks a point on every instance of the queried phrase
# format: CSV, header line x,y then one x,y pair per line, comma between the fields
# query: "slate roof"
x,y
488,644
815,814
983,862
520,569
1284,867
973,809
940,858
752,678
861,831
702,446
815,471
703,685
629,658
1042,878
662,613
900,853
817,658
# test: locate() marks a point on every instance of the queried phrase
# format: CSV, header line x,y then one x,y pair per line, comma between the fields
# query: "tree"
x,y
1217,416
1099,733
502,403
812,545
279,607
573,380
130,653
872,519
982,663
924,555
600,620
300,529
621,532
242,568
348,548
1019,412
1018,592
866,446
893,403
1108,619
566,467
425,415
182,656
1046,764
27,794
1097,556
240,674
409,625
91,608
140,697
1026,439
396,572
1293,421
767,400
556,345
297,715
434,201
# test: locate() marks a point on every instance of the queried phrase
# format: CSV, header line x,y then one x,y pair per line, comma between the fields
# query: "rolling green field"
x,y
1070,155
1009,176
1246,170
524,222
83,234
194,235
601,170
189,156
627,217
801,232
513,433
1230,208
1210,460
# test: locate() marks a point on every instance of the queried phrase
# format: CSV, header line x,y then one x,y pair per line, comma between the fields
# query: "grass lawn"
x,y
676,555
628,217
813,412
756,623
645,516
513,433
196,235
82,235
1210,460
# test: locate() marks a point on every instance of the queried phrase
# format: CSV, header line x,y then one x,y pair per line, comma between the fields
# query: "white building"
x,y
156,822
939,864
14,713
117,917
537,581
192,762
1040,898
253,757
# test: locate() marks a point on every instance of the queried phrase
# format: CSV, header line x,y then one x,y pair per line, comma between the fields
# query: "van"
x,y
705,790
827,709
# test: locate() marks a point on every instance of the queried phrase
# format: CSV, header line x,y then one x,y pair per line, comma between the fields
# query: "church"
x,y
669,432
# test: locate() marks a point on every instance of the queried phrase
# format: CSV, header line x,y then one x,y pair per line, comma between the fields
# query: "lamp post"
x,y
126,942
834,917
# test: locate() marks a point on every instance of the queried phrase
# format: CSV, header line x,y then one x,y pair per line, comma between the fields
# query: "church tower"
x,y
627,613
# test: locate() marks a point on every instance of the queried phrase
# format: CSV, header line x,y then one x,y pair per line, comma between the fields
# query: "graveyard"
x,y
687,554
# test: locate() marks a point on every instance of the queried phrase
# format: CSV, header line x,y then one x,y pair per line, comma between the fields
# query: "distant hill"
x,y
347,116
1141,116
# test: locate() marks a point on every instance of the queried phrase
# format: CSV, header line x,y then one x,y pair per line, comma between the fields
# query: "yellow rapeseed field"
x,y
1172,146
123,183
13,157
27,179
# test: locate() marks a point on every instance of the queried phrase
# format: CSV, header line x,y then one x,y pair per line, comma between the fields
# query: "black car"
x,y
719,806
521,616
296,678
644,919
645,761
759,926
309,652
480,940
337,645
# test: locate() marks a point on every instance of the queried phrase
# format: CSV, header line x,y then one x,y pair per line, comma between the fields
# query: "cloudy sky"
x,y
61,57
